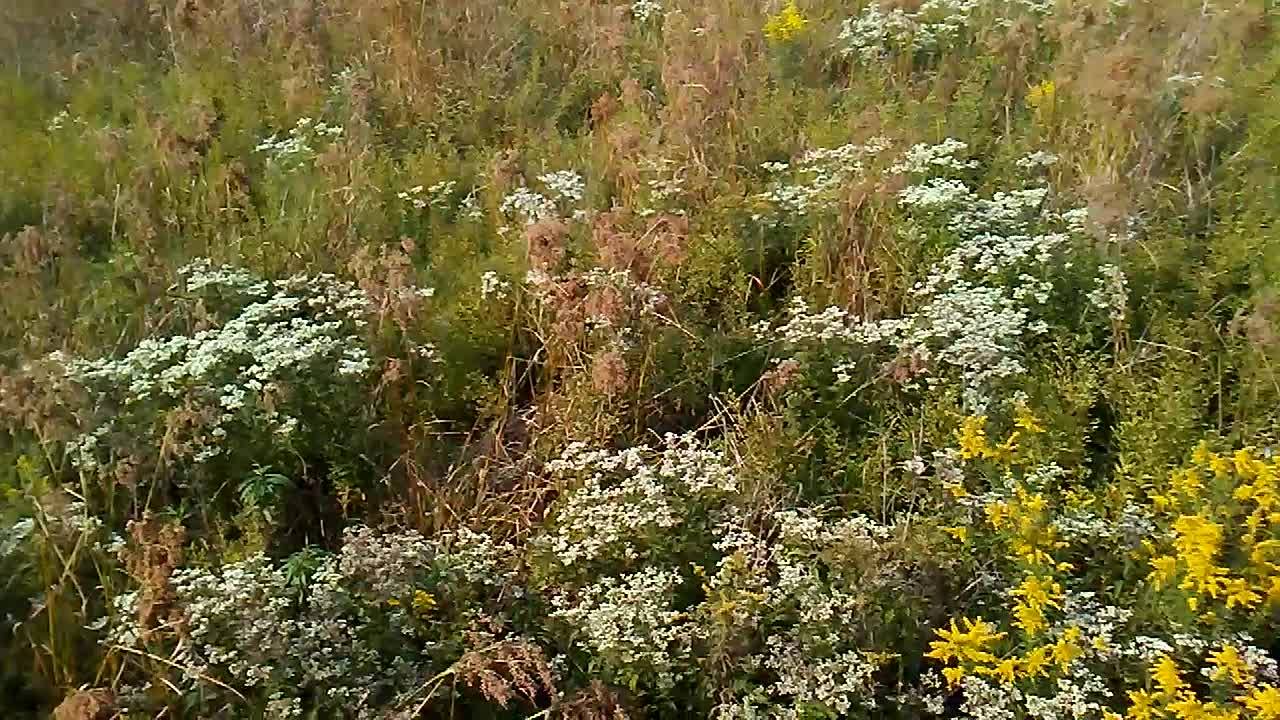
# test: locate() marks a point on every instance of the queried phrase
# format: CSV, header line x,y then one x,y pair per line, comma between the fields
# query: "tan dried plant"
x,y
594,702
508,670
156,551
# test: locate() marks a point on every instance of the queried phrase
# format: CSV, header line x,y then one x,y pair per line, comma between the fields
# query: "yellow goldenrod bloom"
x,y
1167,676
1141,705
786,25
969,644
1263,703
423,602
973,437
1228,663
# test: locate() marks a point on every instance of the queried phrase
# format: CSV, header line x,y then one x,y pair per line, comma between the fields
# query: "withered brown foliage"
x,y
624,143
906,367
663,243
387,276
39,399
155,551
597,701
704,65
546,241
32,249
779,377
508,670
95,704
186,429
609,373
1261,324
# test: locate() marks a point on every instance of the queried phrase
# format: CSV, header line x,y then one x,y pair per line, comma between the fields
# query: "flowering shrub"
x,y
299,144
274,357
1137,603
357,635
816,176
783,603
642,10
931,28
565,188
934,26
986,297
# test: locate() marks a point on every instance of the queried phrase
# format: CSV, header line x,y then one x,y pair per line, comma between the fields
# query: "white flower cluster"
x,y
642,10
382,565
644,297
475,557
249,598
816,175
1195,79
299,144
1111,292
566,185
302,328
245,623
798,528
630,622
936,194
665,187
436,196
985,700
1102,624
470,205
926,158
530,205
491,285
795,582
15,535
1036,160
933,26
59,121
981,300
978,330
806,569
1133,526
835,683
564,188
596,520
832,324
629,496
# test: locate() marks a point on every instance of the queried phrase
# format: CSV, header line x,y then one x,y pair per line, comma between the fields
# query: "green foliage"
x,y
275,274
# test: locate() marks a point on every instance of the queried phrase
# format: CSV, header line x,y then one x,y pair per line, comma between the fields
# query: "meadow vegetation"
x,y
736,359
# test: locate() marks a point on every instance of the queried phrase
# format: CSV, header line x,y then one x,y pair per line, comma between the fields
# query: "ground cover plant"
x,y
735,359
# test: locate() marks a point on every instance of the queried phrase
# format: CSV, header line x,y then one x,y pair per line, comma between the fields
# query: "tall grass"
x,y
143,136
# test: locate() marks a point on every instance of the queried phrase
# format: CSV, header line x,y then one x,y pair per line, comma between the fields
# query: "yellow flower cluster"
x,y
1033,596
972,647
423,603
1213,542
968,646
1042,95
1220,502
786,25
972,437
1031,536
1174,697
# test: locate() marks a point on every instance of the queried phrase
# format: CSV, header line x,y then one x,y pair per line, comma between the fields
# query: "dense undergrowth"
x,y
667,358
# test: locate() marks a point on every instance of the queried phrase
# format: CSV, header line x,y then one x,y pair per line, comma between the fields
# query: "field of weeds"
x,y
590,360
